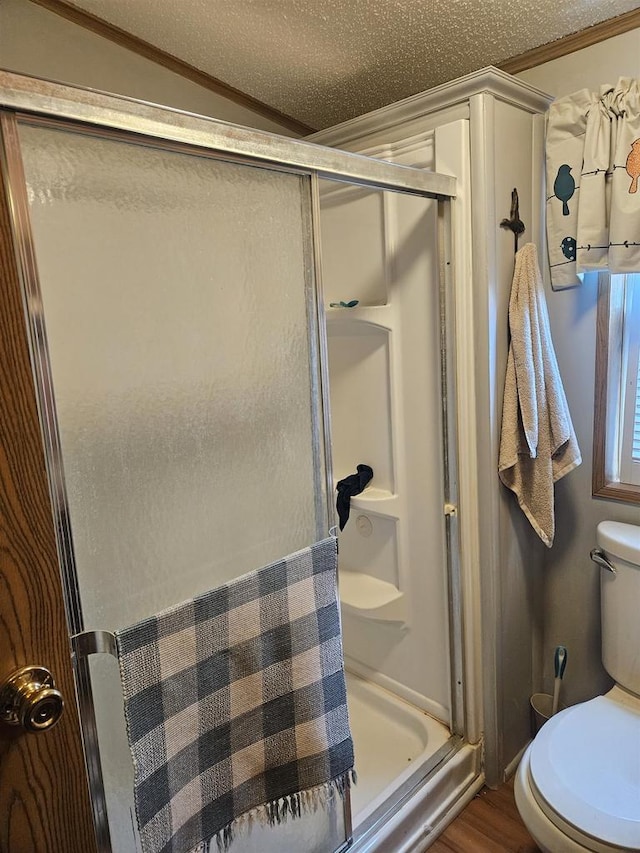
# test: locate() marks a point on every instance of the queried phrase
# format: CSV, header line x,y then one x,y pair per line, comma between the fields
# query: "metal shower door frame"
x,y
30,100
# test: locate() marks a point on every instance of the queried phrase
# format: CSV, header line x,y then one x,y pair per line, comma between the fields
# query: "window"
x,y
616,440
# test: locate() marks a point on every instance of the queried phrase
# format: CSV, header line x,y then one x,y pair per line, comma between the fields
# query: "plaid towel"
x,y
235,701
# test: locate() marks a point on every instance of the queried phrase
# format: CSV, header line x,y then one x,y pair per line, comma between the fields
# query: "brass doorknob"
x,y
28,698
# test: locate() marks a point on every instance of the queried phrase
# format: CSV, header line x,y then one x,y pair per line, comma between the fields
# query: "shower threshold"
x,y
413,775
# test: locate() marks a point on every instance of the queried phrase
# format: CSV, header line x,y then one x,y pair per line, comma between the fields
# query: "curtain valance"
x,y
593,182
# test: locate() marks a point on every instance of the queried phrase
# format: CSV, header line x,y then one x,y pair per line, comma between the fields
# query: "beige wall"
x,y
571,596
40,43
589,68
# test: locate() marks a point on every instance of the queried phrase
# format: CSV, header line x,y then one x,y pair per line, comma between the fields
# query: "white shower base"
x,y
394,741
391,738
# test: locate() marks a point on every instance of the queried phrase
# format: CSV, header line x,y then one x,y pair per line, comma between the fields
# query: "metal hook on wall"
x,y
514,223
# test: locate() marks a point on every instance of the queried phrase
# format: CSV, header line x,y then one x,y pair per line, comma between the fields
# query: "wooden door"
x,y
44,798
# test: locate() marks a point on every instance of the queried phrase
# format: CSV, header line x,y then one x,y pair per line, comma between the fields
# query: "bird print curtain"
x,y
593,182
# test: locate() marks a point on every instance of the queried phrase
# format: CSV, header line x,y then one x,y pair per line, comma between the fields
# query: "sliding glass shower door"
x,y
177,299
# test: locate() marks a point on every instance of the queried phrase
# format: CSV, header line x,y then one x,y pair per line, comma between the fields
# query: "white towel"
x,y
538,445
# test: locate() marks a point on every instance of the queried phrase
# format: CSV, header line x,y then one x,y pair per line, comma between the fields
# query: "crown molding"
x,y
488,80
576,41
96,25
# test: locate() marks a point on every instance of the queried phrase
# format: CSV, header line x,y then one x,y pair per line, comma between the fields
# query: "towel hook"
x,y
514,223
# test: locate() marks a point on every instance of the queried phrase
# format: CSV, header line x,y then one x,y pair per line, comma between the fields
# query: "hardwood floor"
x,y
489,824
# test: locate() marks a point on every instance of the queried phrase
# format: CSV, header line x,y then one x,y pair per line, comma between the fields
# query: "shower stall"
x,y
380,274
222,324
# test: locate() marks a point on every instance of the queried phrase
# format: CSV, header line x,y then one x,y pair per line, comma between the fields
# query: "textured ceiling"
x,y
325,61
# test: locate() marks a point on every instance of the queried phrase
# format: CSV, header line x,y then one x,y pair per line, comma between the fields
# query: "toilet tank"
x,y
620,603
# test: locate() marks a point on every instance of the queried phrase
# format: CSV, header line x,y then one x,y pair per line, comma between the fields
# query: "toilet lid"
x,y
585,763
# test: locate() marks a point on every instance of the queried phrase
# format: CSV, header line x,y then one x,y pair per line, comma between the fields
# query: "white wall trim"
x,y
487,80
453,158
488,554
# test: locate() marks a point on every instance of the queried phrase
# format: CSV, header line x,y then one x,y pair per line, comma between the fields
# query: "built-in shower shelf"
x,y
376,315
378,501
371,598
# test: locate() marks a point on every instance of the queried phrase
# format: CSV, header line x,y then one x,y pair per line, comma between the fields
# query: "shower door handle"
x,y
29,698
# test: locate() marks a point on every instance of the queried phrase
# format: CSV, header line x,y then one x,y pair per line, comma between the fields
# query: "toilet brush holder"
x,y
541,711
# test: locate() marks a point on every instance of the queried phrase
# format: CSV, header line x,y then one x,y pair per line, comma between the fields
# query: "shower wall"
x,y
386,409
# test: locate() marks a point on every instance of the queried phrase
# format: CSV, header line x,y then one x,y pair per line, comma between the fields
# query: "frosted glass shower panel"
x,y
178,301
176,292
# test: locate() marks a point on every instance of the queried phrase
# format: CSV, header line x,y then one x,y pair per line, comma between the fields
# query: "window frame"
x,y
630,466
607,400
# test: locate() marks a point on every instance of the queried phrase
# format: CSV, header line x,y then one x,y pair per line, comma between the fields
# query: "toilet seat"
x,y
584,771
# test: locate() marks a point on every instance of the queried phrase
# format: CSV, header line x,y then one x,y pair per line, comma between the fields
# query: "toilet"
x,y
578,784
